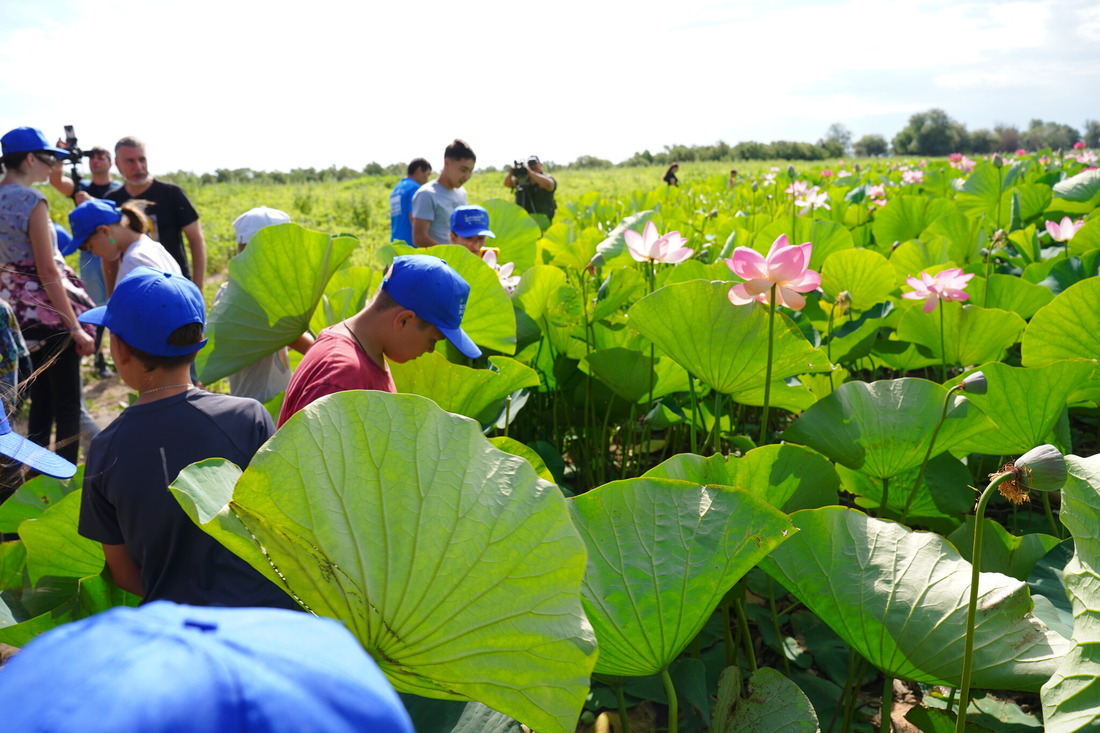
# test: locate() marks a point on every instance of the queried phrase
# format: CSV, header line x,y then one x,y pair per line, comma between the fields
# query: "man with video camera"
x,y
534,188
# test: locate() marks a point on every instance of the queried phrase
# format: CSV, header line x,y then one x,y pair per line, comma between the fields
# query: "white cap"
x,y
253,220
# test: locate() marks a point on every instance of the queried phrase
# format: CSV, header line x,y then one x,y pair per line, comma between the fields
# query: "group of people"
x,y
155,315
426,212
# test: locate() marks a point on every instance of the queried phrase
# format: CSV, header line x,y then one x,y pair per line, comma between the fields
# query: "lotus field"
x,y
725,464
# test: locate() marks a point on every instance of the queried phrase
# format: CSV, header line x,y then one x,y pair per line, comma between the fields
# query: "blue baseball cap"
x,y
29,140
470,221
13,445
147,306
431,289
175,669
87,216
64,240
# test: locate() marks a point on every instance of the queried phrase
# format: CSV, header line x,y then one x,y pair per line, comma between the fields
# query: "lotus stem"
x,y
746,637
884,724
972,606
694,413
943,348
928,453
620,697
673,705
1055,528
768,372
775,625
727,635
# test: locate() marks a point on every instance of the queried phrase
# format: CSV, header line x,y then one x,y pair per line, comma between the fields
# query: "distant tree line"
x,y
928,133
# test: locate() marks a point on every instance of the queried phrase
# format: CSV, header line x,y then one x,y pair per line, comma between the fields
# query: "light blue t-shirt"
x,y
435,202
400,207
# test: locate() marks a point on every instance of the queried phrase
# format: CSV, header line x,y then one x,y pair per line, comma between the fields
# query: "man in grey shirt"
x,y
433,202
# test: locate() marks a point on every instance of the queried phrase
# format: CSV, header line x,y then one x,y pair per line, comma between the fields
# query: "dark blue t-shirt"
x,y
400,208
99,190
126,500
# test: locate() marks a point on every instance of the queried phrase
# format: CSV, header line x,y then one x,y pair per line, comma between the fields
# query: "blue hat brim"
x,y
17,447
69,248
461,341
58,152
476,233
95,316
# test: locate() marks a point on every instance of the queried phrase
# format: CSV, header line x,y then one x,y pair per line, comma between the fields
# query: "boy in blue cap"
x,y
152,548
470,227
421,302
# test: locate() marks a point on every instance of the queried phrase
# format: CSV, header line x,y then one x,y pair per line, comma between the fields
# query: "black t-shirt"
x,y
537,199
170,212
99,190
126,500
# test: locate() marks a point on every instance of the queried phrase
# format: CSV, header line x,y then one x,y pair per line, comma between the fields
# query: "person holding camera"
x,y
534,187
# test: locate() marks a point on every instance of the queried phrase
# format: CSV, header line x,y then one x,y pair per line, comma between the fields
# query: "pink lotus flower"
x,y
1044,160
1064,230
826,173
842,173
786,266
963,163
504,272
955,157
1021,151
944,285
797,188
911,177
651,247
1079,145
815,198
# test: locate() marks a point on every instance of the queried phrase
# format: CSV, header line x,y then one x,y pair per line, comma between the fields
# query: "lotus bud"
x,y
713,214
755,187
975,384
1000,237
1044,469
790,172
998,161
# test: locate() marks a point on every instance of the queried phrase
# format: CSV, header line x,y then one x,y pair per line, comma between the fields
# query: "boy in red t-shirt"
x,y
420,302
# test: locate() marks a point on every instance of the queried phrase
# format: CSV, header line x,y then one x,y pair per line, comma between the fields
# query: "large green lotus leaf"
x,y
536,288
1024,404
345,295
568,245
526,452
1063,329
972,334
983,191
963,234
661,555
274,288
789,477
906,217
774,704
35,497
899,598
475,393
865,274
883,428
1009,293
516,232
489,319
1081,188
1070,698
789,397
454,565
54,547
827,237
723,344
932,253
1002,551
901,356
626,373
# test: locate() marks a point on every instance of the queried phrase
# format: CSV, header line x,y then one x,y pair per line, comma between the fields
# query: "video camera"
x,y
519,170
75,153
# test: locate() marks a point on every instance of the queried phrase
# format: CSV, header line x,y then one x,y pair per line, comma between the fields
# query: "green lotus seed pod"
x,y
998,161
790,172
1042,469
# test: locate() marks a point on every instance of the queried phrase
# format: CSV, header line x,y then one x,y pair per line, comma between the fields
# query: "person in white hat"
x,y
266,377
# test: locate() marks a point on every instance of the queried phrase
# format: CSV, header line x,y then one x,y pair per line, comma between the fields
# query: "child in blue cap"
x,y
420,303
152,548
470,227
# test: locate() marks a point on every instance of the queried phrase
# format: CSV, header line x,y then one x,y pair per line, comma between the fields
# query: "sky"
x,y
276,85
